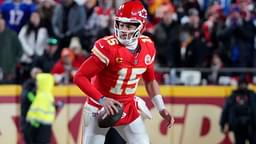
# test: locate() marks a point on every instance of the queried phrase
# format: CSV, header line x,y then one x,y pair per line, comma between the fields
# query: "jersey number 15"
x,y
132,83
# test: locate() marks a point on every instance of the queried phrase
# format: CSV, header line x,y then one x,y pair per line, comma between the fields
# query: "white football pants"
x,y
133,133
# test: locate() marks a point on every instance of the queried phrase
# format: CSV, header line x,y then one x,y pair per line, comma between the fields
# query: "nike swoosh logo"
x,y
101,46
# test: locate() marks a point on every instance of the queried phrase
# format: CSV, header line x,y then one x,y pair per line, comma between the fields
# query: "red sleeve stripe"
x,y
100,55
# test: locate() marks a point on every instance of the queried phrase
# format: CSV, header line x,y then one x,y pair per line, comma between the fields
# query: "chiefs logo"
x,y
143,13
147,59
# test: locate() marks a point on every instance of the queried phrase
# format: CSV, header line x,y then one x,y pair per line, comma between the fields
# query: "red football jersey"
x,y
122,72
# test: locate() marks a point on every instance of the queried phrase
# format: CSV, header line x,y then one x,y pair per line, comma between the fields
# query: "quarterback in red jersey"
x,y
111,74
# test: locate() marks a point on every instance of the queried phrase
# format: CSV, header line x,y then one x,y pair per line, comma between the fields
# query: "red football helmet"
x,y
131,12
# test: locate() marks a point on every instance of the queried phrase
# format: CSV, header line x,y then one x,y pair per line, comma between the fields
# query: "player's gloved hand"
x,y
166,116
109,105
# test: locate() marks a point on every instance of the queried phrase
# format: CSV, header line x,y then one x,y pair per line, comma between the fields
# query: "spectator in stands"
x,y
152,6
213,24
246,7
68,21
165,32
248,14
79,54
239,114
46,9
17,13
91,26
194,22
33,38
192,4
10,52
236,38
188,51
180,11
64,69
105,23
49,58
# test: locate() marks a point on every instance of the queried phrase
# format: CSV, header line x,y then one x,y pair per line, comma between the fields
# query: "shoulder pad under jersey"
x,y
103,48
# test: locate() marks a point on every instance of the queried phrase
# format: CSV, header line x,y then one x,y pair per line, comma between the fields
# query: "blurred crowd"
x,y
57,35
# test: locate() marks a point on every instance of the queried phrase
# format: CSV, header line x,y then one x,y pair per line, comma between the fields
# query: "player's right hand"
x,y
109,105
167,116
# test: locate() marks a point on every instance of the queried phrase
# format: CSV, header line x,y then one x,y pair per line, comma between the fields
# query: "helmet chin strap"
x,y
133,45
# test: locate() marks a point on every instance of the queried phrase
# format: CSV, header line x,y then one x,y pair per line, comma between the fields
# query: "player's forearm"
x,y
84,84
82,77
153,90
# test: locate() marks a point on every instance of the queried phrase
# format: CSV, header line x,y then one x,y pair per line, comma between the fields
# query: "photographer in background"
x,y
238,114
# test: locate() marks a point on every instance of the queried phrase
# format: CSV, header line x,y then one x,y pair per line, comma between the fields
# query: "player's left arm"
x,y
153,90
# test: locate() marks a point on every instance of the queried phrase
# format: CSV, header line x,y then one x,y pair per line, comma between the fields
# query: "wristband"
x,y
100,101
158,102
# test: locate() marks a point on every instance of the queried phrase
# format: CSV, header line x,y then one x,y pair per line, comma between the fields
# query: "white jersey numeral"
x,y
119,82
111,40
15,17
132,83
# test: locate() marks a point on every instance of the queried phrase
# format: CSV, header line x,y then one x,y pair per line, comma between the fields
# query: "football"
x,y
104,120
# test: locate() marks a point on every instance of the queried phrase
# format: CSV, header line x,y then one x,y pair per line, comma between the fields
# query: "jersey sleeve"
x,y
87,70
100,58
149,75
101,50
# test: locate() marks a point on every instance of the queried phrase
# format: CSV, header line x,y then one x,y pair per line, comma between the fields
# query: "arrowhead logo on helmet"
x,y
143,13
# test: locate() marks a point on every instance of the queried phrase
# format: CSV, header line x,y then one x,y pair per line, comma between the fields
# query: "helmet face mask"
x,y
129,22
127,32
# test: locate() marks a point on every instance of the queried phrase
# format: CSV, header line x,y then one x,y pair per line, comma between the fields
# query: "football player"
x,y
111,74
